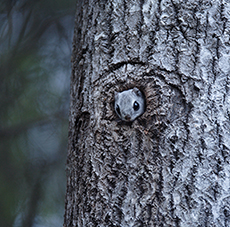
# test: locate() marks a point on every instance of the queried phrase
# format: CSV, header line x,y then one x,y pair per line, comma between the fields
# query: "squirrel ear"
x,y
137,91
116,94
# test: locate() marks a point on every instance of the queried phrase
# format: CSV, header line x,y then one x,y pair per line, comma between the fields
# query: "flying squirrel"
x,y
129,104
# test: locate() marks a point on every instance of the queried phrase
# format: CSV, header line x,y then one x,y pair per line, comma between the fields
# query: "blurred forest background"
x,y
35,67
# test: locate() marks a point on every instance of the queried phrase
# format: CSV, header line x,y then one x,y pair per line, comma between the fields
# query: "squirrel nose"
x,y
127,117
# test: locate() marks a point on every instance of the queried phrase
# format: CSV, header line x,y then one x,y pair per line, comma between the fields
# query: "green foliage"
x,y
35,49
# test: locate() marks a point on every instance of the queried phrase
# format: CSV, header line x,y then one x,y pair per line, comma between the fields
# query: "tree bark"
x,y
170,167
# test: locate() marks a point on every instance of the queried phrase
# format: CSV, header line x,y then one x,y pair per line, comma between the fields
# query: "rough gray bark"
x,y
170,167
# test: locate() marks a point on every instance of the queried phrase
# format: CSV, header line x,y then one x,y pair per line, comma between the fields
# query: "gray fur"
x,y
131,104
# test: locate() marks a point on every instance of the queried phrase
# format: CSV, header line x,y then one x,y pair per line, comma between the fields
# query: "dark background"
x,y
35,68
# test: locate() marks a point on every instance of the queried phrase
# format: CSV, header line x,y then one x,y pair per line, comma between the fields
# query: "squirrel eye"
x,y
136,106
118,110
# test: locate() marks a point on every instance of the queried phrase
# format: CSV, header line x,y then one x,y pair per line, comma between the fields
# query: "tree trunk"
x,y
169,167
